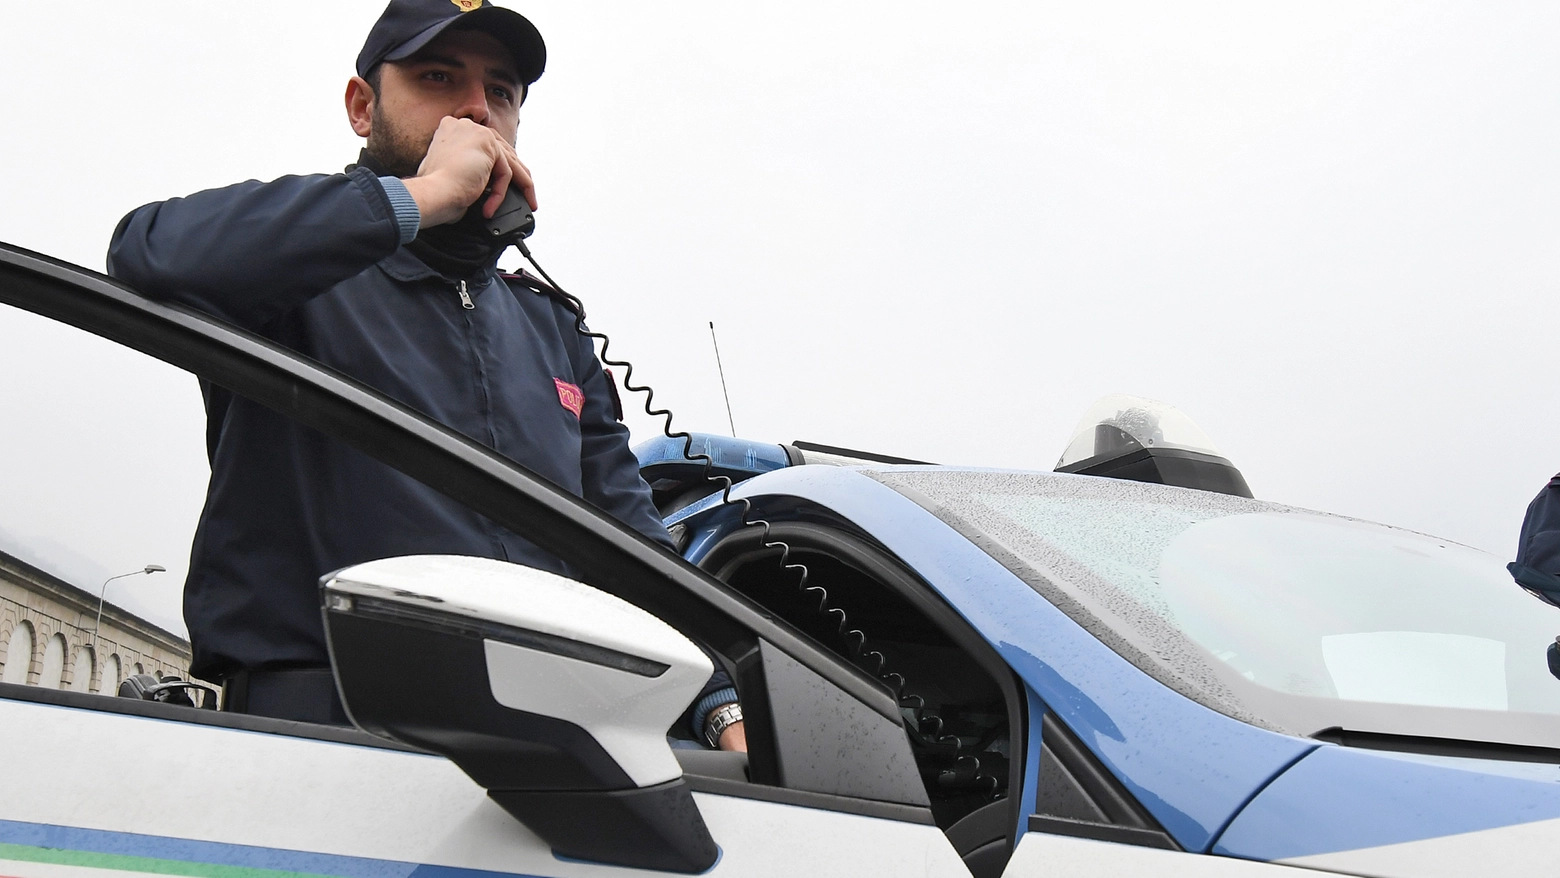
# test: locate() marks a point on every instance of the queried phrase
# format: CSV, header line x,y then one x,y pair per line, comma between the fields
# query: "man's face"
x,y
464,73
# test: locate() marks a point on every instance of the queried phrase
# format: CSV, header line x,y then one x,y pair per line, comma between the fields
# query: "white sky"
x,y
1326,231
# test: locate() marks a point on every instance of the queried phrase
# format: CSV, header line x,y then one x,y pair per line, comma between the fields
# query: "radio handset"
x,y
513,221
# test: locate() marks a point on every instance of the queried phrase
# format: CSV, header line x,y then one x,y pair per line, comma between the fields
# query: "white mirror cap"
x,y
1121,423
628,712
522,597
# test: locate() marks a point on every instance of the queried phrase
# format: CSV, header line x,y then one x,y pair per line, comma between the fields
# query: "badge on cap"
x,y
467,5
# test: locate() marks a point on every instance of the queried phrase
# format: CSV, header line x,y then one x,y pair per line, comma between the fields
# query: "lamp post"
x,y
150,568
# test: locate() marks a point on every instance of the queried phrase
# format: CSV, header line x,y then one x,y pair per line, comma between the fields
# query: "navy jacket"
x,y
1537,567
1539,545
315,264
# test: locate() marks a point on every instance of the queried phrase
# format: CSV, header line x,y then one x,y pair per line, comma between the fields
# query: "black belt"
x,y
302,694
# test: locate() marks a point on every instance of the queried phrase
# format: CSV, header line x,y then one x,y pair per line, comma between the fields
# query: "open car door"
x,y
117,784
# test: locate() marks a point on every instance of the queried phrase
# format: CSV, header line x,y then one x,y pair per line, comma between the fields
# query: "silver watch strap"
x,y
719,720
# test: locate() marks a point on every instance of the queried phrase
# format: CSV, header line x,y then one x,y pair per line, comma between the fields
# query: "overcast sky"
x,y
1326,231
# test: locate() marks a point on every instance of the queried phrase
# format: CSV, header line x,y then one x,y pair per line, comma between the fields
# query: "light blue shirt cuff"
x,y
407,217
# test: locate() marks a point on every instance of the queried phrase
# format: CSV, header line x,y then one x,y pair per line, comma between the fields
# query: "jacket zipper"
x,y
465,297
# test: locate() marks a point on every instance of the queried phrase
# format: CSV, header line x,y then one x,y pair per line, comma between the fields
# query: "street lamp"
x,y
150,568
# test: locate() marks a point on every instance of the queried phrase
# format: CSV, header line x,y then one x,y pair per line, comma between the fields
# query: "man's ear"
x,y
360,105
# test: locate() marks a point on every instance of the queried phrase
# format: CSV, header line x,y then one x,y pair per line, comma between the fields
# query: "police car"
x,y
1129,665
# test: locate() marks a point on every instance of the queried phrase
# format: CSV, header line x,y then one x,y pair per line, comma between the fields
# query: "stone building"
x,y
46,636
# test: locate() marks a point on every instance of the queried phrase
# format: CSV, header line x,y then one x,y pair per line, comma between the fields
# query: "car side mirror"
x,y
553,695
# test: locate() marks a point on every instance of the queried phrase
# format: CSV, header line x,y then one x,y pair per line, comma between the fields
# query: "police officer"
x,y
1537,567
384,273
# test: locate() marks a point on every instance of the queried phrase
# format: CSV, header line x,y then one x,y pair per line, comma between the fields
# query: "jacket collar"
x,y
404,266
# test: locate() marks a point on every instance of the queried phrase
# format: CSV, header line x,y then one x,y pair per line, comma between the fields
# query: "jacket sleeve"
x,y
1539,545
609,470
249,252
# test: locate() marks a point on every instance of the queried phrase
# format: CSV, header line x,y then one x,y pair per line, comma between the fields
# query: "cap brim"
x,y
513,30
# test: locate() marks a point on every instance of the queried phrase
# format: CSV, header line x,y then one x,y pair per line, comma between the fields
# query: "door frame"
x,y
607,553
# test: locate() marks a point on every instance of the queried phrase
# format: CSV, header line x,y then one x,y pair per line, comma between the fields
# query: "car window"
x,y
1302,620
958,706
104,467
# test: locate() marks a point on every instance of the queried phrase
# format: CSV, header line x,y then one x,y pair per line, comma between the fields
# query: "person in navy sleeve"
x,y
382,272
1537,567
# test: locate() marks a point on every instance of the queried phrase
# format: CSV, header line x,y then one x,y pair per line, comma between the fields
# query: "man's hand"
x,y
463,160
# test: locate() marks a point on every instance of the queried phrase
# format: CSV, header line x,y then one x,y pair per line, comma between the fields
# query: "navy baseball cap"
x,y
408,25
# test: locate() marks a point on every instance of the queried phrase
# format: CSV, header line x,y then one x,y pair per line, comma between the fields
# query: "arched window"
x,y
110,684
53,663
81,669
139,669
18,655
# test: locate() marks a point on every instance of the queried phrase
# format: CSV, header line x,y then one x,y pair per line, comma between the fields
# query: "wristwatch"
x,y
719,720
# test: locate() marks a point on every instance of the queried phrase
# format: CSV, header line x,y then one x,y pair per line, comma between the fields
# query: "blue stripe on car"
x,y
48,835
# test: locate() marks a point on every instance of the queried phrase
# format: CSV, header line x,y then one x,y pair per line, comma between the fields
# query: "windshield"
x,y
1296,620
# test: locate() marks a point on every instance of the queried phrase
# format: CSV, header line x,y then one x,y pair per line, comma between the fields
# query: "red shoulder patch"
x,y
570,397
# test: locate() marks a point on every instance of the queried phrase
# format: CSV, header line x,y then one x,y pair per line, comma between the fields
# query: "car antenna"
x,y
722,370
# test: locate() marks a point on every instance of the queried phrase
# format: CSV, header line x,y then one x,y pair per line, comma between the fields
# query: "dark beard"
x,y
394,154
462,249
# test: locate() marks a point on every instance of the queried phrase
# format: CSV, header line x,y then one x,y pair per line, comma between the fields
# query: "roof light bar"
x,y
1143,440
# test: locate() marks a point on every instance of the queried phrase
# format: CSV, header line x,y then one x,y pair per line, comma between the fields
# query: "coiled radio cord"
x,y
929,727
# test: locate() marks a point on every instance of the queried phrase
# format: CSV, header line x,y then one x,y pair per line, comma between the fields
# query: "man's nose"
x,y
473,103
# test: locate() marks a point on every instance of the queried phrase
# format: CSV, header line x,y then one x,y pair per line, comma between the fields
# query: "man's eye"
x,y
503,94
437,76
